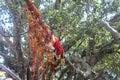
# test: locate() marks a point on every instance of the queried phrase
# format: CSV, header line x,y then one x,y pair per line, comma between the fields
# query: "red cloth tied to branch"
x,y
43,44
58,46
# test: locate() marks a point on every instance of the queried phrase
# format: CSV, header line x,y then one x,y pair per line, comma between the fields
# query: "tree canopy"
x,y
89,31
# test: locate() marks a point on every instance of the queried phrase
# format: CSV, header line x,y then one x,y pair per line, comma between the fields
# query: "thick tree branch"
x,y
4,68
104,49
82,67
115,34
101,53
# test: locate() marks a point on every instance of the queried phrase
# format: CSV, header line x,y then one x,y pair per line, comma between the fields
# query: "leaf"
x,y
81,1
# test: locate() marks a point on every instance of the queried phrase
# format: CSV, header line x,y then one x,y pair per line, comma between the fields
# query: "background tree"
x,y
86,29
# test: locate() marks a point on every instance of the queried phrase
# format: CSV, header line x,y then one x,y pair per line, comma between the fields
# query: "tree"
x,y
88,30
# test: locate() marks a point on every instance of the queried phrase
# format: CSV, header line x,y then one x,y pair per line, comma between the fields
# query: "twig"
x,y
78,45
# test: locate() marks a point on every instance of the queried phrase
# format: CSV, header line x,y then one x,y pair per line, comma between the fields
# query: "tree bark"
x,y
17,43
57,4
17,39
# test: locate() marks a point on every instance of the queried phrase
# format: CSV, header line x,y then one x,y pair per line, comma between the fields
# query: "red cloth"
x,y
58,46
36,77
53,66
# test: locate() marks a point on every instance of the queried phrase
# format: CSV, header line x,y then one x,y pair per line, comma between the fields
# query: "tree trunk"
x,y
57,4
17,43
17,21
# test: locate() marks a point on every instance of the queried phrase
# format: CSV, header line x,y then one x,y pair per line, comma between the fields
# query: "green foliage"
x,y
80,20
